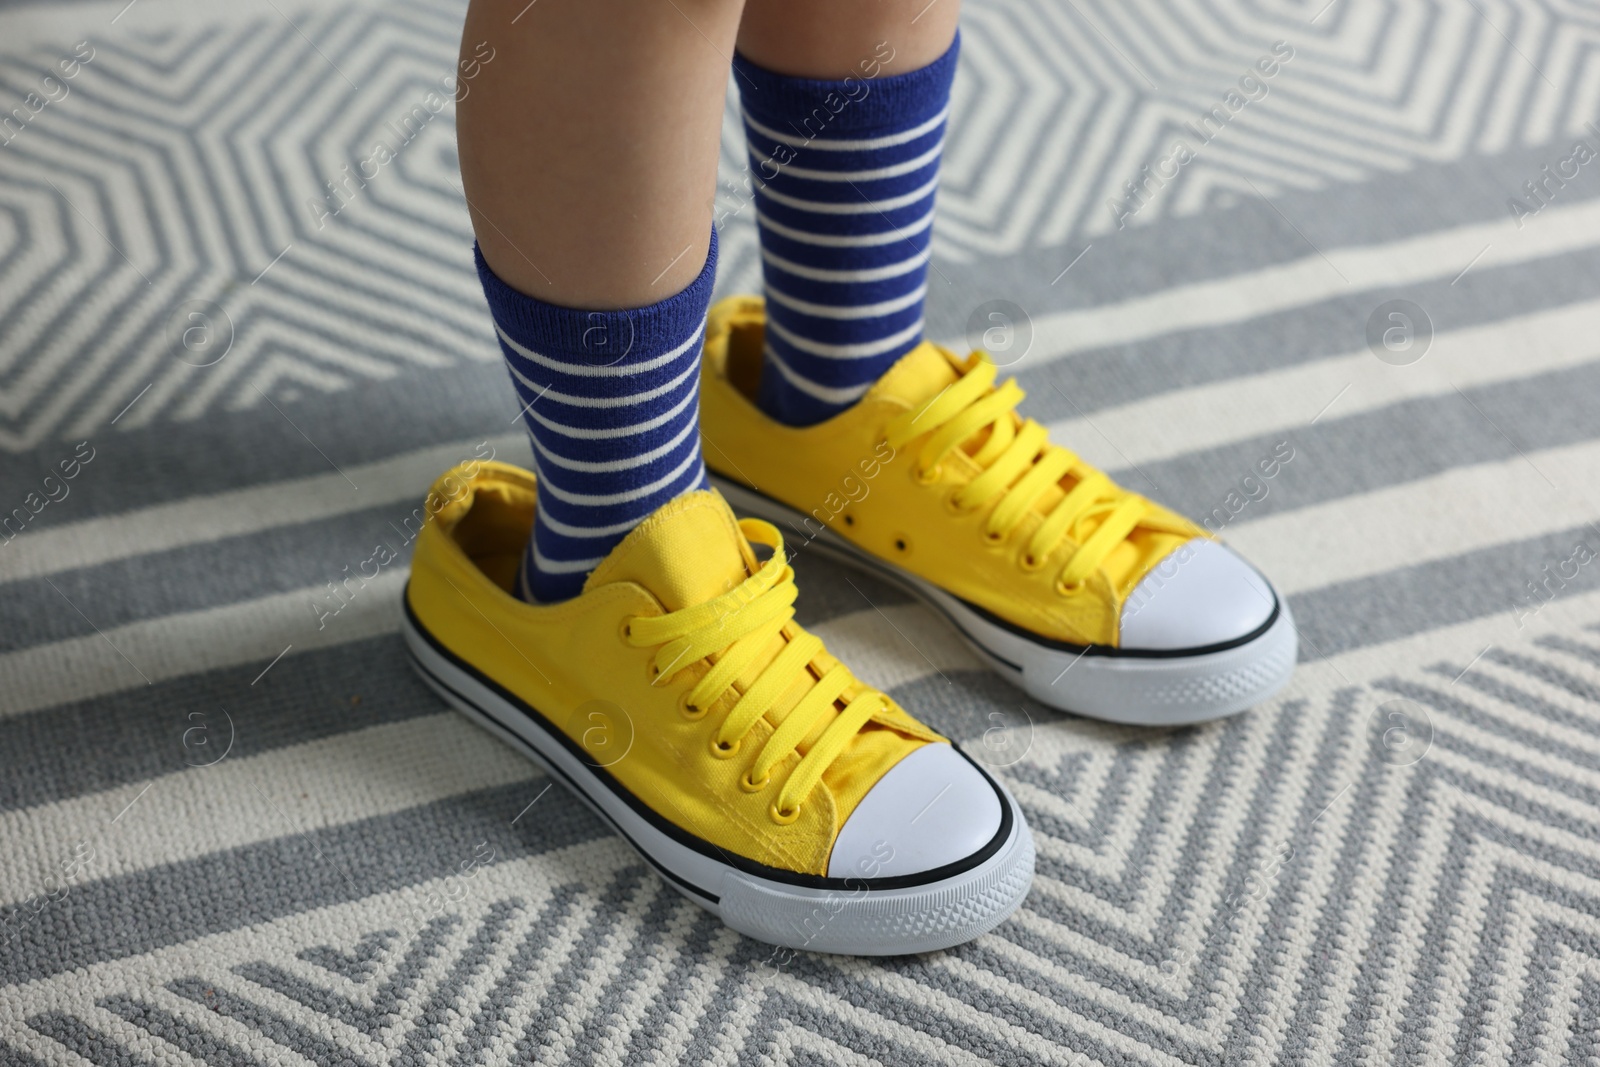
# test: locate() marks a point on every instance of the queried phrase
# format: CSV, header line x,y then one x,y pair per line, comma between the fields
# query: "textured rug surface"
x,y
234,830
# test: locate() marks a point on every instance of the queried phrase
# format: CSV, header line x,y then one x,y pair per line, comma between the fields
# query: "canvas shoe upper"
x,y
678,695
1038,558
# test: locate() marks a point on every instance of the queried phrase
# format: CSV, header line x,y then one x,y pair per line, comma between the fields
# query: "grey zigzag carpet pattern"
x,y
231,170
231,834
1197,902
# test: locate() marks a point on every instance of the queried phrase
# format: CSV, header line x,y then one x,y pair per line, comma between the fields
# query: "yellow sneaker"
x,y
1091,598
677,696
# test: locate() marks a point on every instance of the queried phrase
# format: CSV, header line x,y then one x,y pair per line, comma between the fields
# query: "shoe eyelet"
x,y
753,787
1069,588
1029,562
954,506
928,476
721,751
996,537
688,710
625,630
783,818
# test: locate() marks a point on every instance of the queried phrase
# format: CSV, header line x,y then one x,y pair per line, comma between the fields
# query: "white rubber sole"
x,y
852,916
1141,689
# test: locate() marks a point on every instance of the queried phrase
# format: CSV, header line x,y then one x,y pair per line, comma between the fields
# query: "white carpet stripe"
x,y
884,656
541,984
330,782
1204,416
1460,510
533,879
1572,748
1141,432
1035,1048
397,766
255,631
1547,691
1007,990
1457,643
249,632
1442,254
404,478
597,972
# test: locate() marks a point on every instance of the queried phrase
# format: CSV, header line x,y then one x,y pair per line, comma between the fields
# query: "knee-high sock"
x,y
845,174
611,399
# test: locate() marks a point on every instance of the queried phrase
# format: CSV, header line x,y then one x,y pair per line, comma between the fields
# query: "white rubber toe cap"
x,y
933,808
1201,594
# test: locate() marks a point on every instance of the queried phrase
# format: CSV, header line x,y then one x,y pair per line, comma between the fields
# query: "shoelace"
x,y
739,624
1019,465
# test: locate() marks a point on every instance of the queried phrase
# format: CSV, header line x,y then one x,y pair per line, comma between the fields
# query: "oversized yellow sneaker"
x,y
1091,598
678,697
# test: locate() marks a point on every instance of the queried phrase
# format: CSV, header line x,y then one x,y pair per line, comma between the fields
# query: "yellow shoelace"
x,y
736,627
1019,465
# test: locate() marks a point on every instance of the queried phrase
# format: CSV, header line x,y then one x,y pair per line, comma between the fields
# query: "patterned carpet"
x,y
231,836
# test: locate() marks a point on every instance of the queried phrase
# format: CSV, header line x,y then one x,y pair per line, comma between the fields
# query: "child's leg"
x,y
589,153
845,109
829,39
589,145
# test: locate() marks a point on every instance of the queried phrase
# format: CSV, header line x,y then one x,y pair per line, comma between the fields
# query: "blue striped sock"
x,y
611,399
845,174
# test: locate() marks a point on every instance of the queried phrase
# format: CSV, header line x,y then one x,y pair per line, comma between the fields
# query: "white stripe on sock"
x,y
637,493
855,311
869,274
566,530
586,370
608,401
827,394
690,425
838,144
562,566
894,170
864,207
585,434
861,350
854,240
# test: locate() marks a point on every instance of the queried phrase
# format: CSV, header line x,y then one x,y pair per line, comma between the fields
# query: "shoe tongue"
x,y
924,373
917,376
688,551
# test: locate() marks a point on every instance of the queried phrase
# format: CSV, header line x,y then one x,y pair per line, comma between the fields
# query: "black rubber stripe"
x,y
698,844
665,871
887,570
